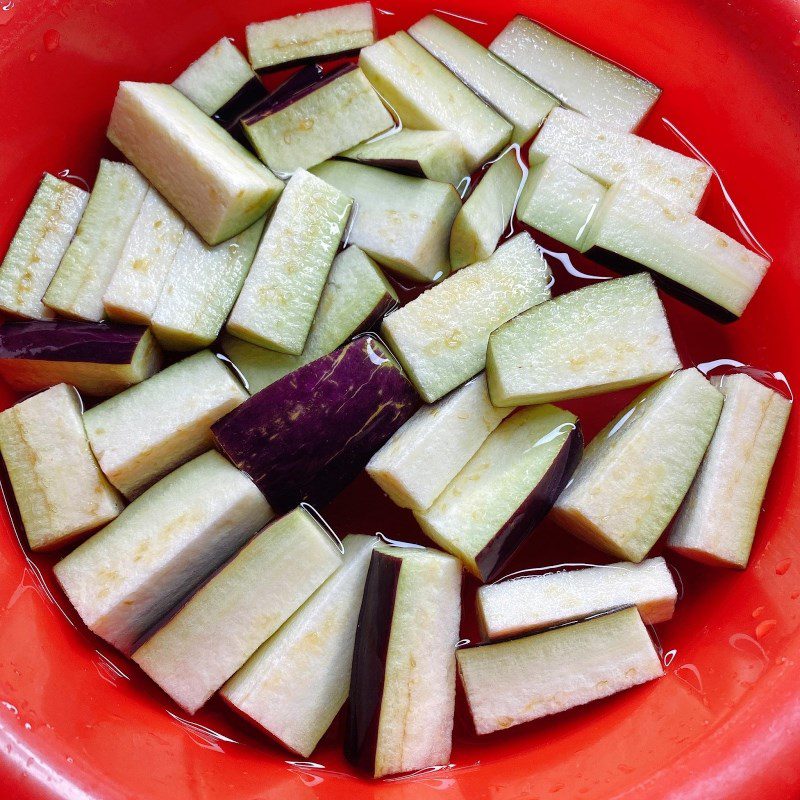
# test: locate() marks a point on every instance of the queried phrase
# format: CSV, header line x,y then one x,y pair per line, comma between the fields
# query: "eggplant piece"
x,y
222,84
132,293
218,186
332,115
609,156
402,686
637,470
415,466
508,683
312,36
201,287
560,201
521,605
59,489
355,298
440,338
298,82
717,522
580,79
636,227
308,435
295,684
601,338
97,358
524,104
85,271
213,633
126,577
506,489
38,246
281,293
402,222
436,155
486,213
143,433
426,95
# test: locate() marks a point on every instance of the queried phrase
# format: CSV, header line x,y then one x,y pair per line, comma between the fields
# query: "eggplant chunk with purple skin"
x,y
402,686
308,435
213,633
60,492
507,488
97,358
519,680
126,577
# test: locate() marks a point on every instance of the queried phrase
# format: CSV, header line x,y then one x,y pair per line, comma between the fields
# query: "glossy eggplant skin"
x,y
369,660
533,509
309,434
230,114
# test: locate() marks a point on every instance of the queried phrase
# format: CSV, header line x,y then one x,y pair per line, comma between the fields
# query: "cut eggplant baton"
x,y
637,470
426,95
402,689
85,271
294,685
521,102
603,337
213,633
418,462
579,78
338,112
38,247
506,489
520,605
402,222
508,683
97,358
313,36
125,578
306,436
355,298
440,337
60,492
282,290
157,425
215,183
718,519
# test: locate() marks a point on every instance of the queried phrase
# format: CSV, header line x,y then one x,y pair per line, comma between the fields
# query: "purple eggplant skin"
x,y
405,166
533,509
250,95
301,62
65,340
308,435
369,660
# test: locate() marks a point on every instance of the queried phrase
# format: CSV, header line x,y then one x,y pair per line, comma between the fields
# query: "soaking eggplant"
x,y
60,492
210,635
440,337
521,605
332,115
97,358
639,467
38,246
126,577
150,429
216,184
86,269
418,462
306,436
603,337
506,489
294,685
717,521
508,683
402,688
354,300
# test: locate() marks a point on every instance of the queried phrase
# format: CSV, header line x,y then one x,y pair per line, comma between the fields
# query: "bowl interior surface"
x,y
78,721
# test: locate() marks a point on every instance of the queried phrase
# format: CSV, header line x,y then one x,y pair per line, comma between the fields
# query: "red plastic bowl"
x,y
77,721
